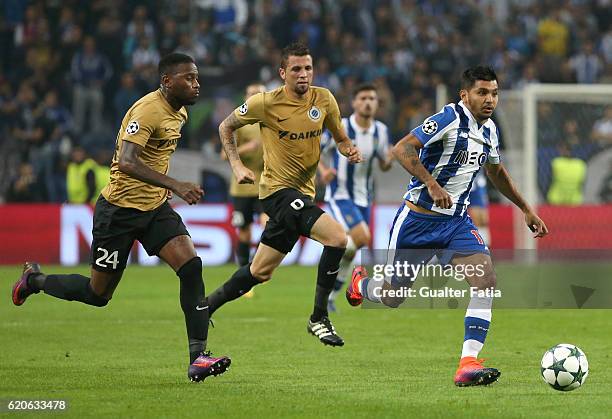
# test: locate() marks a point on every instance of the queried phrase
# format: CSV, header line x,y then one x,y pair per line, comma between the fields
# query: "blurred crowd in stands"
x,y
70,69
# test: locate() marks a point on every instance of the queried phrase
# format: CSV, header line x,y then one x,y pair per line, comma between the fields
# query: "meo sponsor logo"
x,y
470,157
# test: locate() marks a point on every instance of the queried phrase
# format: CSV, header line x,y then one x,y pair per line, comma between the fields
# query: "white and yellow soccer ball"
x,y
564,367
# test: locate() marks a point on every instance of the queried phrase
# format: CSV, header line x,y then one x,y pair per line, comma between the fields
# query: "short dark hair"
x,y
362,88
167,63
479,72
297,49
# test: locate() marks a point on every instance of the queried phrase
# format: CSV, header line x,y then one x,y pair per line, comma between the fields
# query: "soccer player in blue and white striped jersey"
x,y
349,187
444,155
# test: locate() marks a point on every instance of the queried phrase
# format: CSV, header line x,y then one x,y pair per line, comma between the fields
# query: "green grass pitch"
x,y
129,359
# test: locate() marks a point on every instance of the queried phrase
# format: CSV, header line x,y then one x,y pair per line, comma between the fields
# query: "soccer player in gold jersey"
x,y
245,196
292,119
134,206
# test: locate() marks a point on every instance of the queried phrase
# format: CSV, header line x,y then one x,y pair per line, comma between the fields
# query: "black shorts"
x,y
115,229
292,214
245,208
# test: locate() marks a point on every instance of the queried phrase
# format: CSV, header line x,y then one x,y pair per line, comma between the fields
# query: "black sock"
x,y
73,287
327,274
36,281
193,303
240,283
243,253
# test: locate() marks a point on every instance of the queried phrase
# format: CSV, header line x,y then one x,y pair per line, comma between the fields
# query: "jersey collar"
x,y
359,128
473,122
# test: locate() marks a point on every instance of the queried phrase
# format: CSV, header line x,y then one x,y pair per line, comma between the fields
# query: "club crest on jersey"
x,y
243,109
430,127
132,128
314,113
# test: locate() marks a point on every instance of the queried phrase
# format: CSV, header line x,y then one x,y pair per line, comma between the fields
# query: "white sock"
x,y
477,321
367,286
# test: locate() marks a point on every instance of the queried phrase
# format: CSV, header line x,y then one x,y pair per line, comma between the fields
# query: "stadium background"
x,y
129,359
70,69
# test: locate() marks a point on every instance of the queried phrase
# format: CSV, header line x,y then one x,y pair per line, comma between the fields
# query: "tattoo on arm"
x,y
408,156
409,153
226,134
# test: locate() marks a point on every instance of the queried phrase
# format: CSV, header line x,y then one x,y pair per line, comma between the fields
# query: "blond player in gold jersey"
x,y
292,119
134,206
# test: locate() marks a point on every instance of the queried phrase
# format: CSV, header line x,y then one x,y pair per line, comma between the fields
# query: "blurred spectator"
x,y
553,35
605,192
168,38
324,78
125,97
84,179
586,65
25,187
568,176
306,28
90,70
529,76
56,112
140,25
228,15
32,130
571,133
602,129
144,62
193,47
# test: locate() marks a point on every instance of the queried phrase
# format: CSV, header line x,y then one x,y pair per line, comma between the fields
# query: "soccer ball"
x,y
565,367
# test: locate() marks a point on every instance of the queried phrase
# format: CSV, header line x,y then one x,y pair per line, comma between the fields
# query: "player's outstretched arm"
x,y
130,164
226,134
500,178
405,152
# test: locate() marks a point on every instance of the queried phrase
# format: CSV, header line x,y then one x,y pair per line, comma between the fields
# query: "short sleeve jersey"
x,y
253,160
291,132
153,124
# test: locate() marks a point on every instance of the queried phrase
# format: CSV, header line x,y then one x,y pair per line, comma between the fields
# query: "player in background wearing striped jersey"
x,y
444,155
349,187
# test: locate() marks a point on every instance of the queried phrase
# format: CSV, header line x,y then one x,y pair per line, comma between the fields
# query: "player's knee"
x,y
487,280
337,238
491,280
191,269
262,273
362,239
96,300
